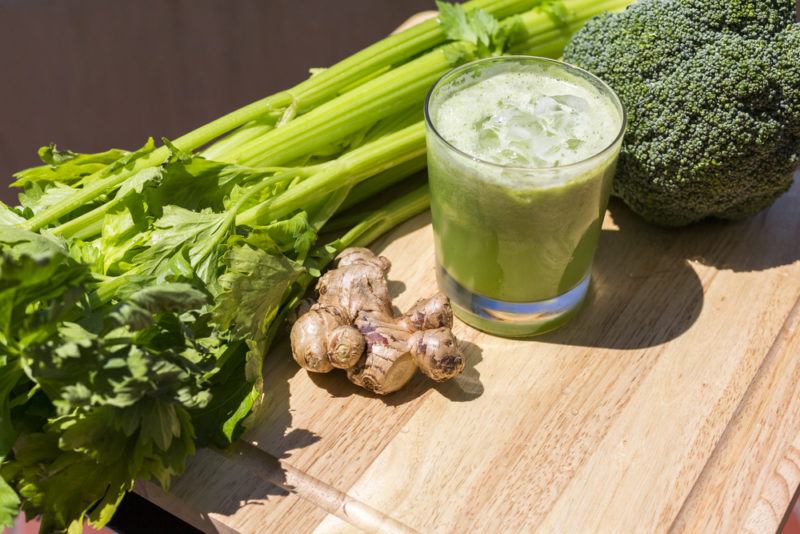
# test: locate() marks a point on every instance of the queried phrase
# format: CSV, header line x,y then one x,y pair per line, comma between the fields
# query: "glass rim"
x,y
500,59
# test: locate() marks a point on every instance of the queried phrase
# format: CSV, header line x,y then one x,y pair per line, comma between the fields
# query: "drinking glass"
x,y
515,243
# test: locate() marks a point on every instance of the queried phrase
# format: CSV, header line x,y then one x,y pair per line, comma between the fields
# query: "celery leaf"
x,y
473,26
66,166
9,502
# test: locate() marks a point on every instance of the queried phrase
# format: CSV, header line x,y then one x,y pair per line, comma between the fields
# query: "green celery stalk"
x,y
324,86
384,180
244,134
552,34
370,62
536,31
396,90
347,171
385,218
391,51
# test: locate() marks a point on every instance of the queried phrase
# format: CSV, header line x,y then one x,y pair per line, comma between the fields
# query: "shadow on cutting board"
x,y
767,240
244,485
248,474
464,388
224,497
275,413
645,291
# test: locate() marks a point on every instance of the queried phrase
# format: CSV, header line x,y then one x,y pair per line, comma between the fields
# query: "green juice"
x,y
521,155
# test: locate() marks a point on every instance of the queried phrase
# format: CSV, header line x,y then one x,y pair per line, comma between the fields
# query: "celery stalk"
x,y
552,35
368,188
350,169
393,50
535,31
396,90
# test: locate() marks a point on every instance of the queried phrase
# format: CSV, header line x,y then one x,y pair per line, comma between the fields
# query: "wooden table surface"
x,y
672,402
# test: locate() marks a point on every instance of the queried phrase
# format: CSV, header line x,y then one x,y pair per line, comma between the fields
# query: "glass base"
x,y
512,319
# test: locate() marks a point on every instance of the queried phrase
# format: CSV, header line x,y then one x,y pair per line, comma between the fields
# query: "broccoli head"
x,y
712,90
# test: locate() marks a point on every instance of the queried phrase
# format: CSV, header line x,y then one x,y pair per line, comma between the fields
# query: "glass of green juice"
x,y
521,155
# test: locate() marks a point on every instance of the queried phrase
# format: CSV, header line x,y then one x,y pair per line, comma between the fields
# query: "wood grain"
x,y
760,451
670,402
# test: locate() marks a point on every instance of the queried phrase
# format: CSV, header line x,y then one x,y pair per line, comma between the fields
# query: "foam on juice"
x,y
528,119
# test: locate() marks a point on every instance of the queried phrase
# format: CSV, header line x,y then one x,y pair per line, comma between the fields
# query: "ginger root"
x,y
352,326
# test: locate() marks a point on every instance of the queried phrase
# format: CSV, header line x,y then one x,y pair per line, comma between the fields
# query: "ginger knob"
x,y
352,326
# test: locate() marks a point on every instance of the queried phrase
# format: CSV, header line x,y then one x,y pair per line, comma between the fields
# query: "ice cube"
x,y
560,122
501,117
516,132
574,102
514,158
543,143
546,106
488,139
539,136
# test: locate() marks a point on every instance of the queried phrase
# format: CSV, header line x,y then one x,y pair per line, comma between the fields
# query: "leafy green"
x,y
9,216
9,502
10,373
475,26
66,166
38,198
232,398
121,337
122,386
188,235
35,270
253,288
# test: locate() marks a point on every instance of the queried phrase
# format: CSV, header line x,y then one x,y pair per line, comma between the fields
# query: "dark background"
x,y
94,74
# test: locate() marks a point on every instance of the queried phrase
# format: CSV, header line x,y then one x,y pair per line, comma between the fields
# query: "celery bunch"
x,y
140,291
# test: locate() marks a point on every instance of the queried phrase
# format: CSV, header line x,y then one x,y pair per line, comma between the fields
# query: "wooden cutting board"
x,y
671,402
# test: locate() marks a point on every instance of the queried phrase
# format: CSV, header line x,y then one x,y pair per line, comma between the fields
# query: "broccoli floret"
x,y
712,90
